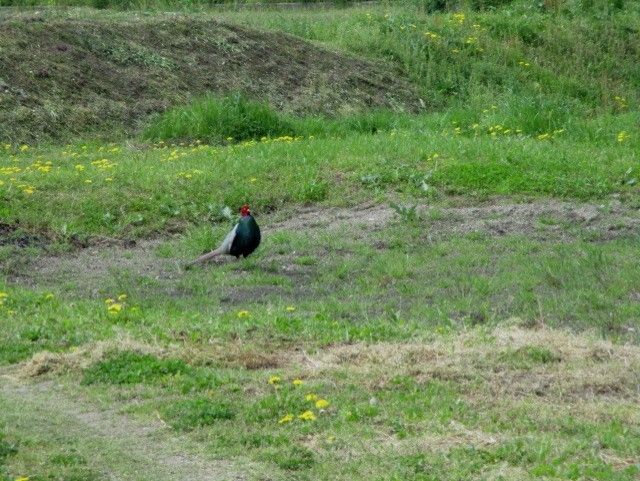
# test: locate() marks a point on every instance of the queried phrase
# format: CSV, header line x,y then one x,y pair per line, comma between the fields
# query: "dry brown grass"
x,y
47,362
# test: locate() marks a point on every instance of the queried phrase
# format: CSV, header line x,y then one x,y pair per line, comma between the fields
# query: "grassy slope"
x,y
103,75
570,63
86,190
436,385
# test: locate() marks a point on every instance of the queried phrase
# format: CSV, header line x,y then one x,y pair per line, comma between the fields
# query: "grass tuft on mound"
x,y
218,119
215,119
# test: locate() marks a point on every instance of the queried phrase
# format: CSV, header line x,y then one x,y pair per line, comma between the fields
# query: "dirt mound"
x,y
61,77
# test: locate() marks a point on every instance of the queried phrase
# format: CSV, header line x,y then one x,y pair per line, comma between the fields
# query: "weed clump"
x,y
133,368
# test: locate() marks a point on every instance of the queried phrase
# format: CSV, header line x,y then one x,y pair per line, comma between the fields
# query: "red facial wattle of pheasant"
x,y
242,240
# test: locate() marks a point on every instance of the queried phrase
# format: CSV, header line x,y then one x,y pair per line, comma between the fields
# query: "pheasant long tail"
x,y
205,257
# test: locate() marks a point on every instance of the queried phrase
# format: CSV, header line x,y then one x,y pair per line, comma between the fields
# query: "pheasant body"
x,y
242,240
246,238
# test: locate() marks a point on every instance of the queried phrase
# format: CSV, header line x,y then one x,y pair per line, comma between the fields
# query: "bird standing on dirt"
x,y
243,239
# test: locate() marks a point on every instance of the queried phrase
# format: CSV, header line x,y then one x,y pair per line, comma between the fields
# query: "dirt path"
x,y
119,447
543,220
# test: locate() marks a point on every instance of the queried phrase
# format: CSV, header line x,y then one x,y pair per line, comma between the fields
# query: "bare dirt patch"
x,y
543,220
13,235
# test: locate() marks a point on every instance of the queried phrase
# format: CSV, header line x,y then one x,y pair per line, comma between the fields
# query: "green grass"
x,y
234,118
198,412
448,341
69,194
219,120
519,54
131,367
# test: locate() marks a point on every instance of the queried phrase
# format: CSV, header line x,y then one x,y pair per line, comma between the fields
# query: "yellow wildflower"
x,y
24,148
242,314
311,397
307,416
622,136
458,18
109,301
286,419
28,190
122,297
290,308
114,308
80,167
322,403
274,379
297,382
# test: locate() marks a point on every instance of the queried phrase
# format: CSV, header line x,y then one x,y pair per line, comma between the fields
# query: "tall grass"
x,y
217,119
233,118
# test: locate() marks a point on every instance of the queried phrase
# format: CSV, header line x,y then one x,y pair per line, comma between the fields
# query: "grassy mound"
x,y
67,77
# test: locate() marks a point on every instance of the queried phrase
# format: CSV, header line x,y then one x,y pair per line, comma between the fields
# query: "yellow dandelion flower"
x,y
459,18
122,297
297,382
307,416
24,148
290,309
622,136
286,419
322,403
274,379
242,314
109,301
311,397
114,308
